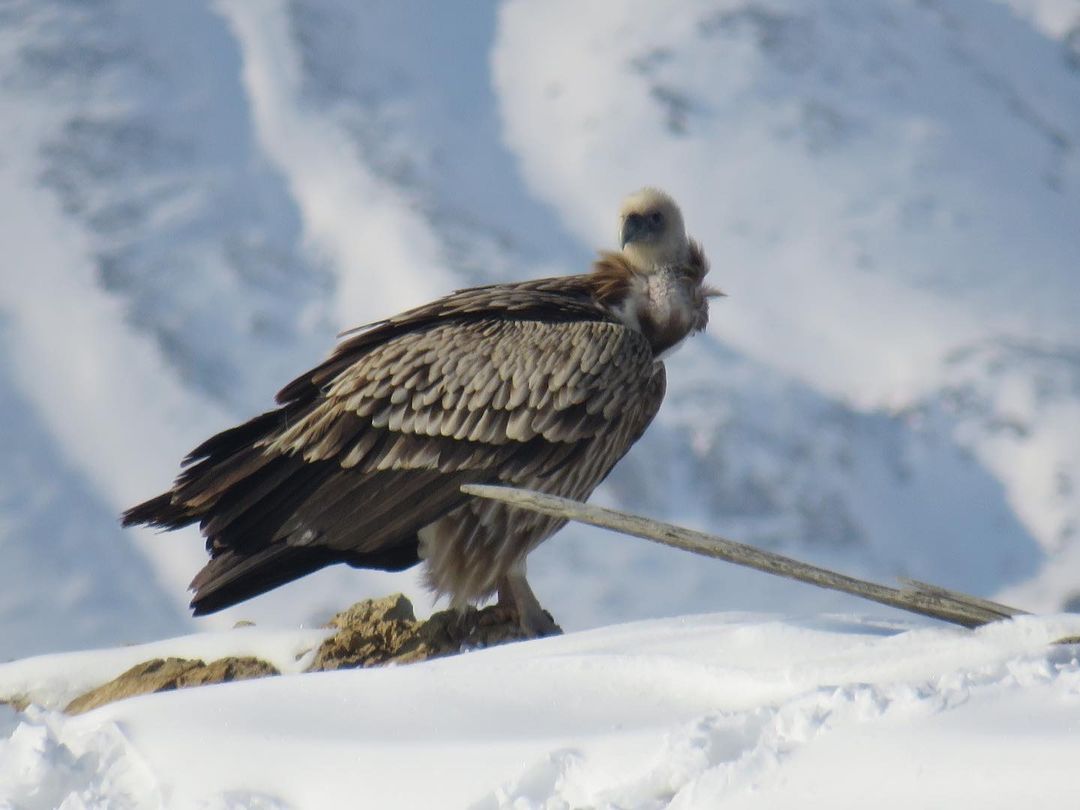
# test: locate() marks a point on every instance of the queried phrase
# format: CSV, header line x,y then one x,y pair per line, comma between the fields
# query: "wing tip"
x,y
160,512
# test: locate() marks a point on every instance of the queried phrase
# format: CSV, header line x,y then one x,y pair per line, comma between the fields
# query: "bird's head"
x,y
656,283
651,231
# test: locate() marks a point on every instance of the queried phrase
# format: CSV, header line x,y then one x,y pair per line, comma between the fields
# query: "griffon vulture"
x,y
540,384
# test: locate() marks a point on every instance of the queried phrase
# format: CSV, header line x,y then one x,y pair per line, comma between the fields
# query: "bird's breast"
x,y
661,307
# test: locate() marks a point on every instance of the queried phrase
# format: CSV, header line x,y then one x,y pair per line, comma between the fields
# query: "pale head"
x,y
651,231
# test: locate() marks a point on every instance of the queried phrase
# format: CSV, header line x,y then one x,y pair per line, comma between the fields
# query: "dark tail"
x,y
230,578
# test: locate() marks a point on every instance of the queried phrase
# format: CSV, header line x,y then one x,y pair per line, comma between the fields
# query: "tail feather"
x,y
231,578
270,517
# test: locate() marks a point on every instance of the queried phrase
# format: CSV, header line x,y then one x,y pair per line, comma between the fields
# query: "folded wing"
x,y
504,383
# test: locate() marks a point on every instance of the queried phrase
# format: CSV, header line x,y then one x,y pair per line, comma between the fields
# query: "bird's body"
x,y
540,384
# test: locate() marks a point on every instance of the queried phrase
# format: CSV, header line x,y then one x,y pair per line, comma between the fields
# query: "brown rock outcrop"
x,y
370,633
165,674
383,631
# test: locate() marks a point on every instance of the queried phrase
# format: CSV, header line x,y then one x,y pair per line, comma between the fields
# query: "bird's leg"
x,y
517,598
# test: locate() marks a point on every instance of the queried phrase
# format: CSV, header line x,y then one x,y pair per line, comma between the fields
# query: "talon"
x,y
515,595
498,613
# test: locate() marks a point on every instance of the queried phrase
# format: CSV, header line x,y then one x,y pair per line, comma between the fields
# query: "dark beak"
x,y
635,229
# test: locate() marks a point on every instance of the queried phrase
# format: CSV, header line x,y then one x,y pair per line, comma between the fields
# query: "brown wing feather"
x,y
510,382
550,299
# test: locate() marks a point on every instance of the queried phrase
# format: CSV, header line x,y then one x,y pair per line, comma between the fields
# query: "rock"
x,y
164,674
370,633
17,702
449,632
383,631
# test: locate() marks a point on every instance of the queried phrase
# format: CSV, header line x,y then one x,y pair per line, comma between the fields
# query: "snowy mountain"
x,y
198,196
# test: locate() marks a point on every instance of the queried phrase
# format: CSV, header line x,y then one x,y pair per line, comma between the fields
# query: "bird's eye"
x,y
656,218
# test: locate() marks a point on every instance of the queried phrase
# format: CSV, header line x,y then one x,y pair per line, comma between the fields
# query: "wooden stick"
x,y
994,607
916,597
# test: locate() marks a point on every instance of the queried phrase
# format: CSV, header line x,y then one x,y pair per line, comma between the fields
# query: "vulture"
x,y
541,384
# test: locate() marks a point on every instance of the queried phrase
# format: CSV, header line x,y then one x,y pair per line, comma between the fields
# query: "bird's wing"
x,y
374,444
554,300
459,401
461,386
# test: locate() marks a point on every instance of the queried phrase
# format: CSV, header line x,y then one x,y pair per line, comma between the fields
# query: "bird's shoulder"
x,y
477,374
456,319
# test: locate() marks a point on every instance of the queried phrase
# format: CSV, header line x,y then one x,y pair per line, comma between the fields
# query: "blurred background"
x,y
195,197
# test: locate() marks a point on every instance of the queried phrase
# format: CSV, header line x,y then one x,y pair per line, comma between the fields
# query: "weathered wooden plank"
x,y
917,597
996,607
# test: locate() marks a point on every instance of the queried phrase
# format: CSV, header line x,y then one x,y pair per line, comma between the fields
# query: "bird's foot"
x,y
518,602
534,625
497,614
539,625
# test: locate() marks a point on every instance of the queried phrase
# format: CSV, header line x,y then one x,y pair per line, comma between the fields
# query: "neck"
x,y
649,258
664,304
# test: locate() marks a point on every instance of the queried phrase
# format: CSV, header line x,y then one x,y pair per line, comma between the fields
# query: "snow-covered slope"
x,y
694,712
198,195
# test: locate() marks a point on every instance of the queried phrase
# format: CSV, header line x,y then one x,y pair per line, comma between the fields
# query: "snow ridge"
x,y
750,711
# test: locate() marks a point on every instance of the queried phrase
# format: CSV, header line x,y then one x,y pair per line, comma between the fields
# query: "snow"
x,y
53,681
853,273
362,225
751,710
1056,18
